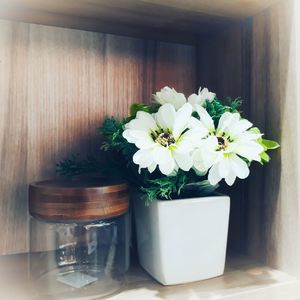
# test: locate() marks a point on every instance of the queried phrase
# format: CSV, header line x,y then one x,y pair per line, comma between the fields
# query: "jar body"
x,y
79,260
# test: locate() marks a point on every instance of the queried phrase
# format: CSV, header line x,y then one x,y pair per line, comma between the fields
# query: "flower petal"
x,y
248,136
230,178
163,157
224,166
143,158
213,175
143,121
184,147
249,149
227,121
239,167
140,138
168,167
184,161
202,96
206,155
169,95
195,99
152,167
182,119
165,117
239,127
198,126
161,154
203,162
126,135
205,118
206,94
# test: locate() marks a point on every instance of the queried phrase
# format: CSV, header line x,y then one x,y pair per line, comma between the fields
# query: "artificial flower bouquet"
x,y
179,147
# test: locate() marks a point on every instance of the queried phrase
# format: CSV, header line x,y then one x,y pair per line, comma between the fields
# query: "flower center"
x,y
222,143
165,139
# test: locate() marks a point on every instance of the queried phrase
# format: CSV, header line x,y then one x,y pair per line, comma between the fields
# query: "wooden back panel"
x,y
56,86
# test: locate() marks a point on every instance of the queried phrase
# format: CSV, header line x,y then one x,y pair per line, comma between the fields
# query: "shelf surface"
x,y
243,279
176,20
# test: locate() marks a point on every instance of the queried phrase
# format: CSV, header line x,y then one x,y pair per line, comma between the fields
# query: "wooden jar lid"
x,y
78,200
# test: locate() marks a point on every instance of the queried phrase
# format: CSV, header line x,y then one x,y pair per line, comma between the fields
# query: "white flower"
x,y
163,139
203,95
169,95
222,151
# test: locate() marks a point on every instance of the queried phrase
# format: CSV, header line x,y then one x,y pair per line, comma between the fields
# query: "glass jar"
x,y
79,237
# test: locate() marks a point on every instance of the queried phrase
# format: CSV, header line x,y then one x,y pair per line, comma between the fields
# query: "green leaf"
x,y
233,104
267,144
139,107
254,130
271,145
216,109
265,157
167,187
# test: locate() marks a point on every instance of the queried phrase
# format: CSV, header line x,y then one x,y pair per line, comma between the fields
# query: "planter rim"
x,y
215,197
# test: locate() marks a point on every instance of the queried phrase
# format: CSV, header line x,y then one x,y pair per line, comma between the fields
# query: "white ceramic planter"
x,y
184,240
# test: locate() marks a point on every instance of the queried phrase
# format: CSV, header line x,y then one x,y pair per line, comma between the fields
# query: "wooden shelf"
x,y
243,279
171,20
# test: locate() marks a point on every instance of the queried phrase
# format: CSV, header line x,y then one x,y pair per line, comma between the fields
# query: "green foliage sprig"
x,y
216,109
74,166
168,187
184,184
111,132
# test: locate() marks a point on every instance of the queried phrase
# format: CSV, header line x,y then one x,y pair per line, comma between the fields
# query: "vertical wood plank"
x,y
14,40
223,67
221,63
259,97
58,93
123,74
275,103
149,70
175,67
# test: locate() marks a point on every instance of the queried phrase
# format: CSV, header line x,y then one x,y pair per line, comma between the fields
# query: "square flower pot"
x,y
184,240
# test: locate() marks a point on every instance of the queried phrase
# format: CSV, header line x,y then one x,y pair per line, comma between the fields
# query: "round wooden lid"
x,y
78,200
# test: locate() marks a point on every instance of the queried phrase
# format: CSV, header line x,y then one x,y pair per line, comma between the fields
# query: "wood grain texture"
x,y
173,67
78,200
173,20
260,47
147,11
14,41
222,62
274,195
56,86
223,67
